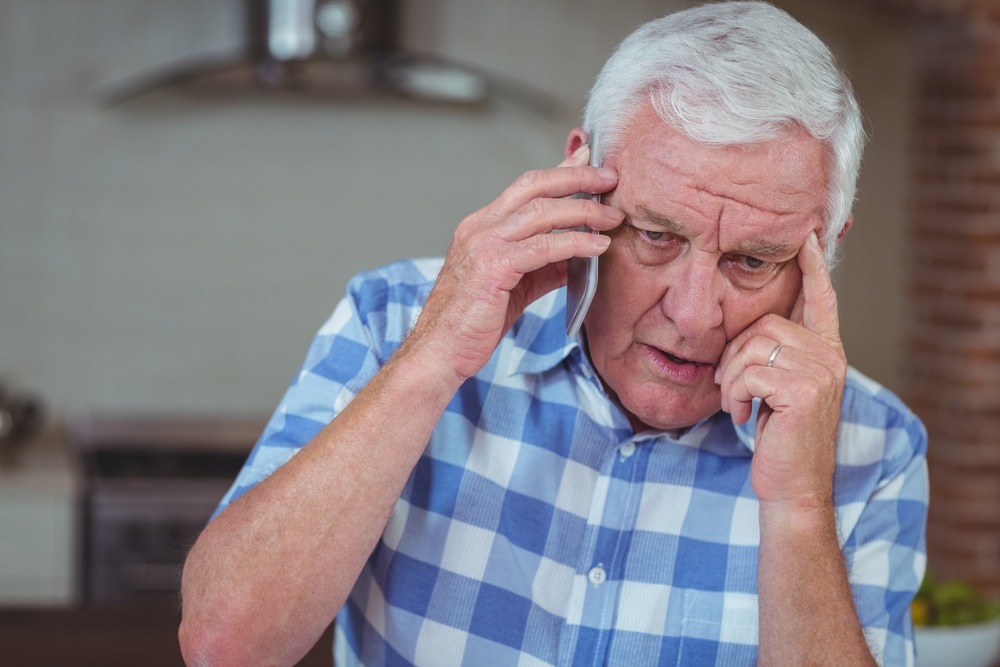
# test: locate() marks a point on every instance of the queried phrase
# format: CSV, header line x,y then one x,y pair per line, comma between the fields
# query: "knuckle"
x,y
830,376
463,231
766,326
812,392
529,179
539,244
497,209
770,320
537,207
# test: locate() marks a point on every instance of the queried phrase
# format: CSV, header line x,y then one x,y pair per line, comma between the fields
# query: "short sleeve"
x,y
366,328
886,551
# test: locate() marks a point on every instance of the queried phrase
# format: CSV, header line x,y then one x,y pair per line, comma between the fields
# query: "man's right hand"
x,y
504,256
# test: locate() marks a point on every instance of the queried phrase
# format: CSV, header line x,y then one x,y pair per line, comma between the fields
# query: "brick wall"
x,y
976,10
953,339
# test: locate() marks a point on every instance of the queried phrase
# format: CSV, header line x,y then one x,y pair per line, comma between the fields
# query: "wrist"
x,y
807,516
419,366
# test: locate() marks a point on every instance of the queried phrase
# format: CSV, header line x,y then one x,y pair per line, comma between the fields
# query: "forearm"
x,y
270,572
807,614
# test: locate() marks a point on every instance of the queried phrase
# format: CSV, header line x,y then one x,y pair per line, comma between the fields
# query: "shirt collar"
x,y
539,336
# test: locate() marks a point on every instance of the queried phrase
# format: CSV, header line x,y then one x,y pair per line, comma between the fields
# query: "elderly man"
x,y
697,478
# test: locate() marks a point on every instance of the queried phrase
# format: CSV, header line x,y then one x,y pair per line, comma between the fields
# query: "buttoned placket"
x,y
597,587
612,515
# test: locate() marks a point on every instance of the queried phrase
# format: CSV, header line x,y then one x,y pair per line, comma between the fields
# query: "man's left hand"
x,y
800,386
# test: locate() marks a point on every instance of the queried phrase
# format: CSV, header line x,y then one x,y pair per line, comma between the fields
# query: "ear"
x,y
577,137
847,228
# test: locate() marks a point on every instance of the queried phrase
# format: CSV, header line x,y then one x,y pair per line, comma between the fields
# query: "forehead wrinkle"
x,y
756,248
668,224
763,217
754,239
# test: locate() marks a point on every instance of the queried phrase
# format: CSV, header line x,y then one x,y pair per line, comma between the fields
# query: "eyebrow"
x,y
759,249
660,220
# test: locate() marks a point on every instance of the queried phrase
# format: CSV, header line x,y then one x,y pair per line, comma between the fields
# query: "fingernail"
x,y
607,172
813,239
579,151
613,213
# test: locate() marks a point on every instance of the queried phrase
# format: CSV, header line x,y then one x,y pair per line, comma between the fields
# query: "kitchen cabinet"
x,y
39,524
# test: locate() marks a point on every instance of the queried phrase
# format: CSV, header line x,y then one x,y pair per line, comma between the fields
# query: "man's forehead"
x,y
765,234
763,197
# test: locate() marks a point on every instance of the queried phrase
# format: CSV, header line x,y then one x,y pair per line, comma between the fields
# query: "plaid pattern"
x,y
538,530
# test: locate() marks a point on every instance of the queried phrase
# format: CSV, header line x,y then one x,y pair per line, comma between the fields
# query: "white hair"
x,y
734,73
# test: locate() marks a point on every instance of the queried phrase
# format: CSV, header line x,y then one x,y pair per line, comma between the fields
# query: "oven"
x,y
150,486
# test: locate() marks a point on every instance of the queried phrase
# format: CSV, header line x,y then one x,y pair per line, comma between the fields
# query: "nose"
x,y
693,300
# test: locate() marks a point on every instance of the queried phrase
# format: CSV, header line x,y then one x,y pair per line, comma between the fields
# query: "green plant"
x,y
951,603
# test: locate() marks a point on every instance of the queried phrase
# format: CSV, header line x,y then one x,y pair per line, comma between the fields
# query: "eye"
x,y
749,272
746,263
652,247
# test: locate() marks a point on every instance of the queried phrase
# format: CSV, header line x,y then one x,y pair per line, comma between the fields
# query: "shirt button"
x,y
627,450
597,575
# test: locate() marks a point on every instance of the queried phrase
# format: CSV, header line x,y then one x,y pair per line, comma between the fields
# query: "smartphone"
x,y
581,275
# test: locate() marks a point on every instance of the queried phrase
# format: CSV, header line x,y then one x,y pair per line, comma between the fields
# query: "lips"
x,y
679,369
682,360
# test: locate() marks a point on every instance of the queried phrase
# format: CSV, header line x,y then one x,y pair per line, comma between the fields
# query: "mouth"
x,y
681,368
673,358
678,360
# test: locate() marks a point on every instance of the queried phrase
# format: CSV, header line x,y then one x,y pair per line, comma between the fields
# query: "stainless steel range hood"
x,y
330,48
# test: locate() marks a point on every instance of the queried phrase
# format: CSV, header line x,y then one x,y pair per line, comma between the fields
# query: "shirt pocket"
x,y
718,628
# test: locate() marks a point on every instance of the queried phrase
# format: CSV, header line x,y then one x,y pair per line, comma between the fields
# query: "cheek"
x,y
623,287
615,309
606,313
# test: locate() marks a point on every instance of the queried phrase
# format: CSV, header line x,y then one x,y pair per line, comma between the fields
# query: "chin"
x,y
669,416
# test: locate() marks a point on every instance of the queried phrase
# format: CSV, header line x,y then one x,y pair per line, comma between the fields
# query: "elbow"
x,y
193,649
215,644
204,646
219,633
207,635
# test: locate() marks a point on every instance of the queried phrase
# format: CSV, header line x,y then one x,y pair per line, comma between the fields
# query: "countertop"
x,y
40,490
41,465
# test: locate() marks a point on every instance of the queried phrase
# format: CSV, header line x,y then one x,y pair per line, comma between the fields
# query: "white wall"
x,y
176,254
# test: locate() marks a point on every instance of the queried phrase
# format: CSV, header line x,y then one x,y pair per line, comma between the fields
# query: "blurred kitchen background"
x,y
171,237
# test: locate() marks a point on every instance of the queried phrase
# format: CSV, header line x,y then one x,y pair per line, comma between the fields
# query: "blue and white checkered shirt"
x,y
538,529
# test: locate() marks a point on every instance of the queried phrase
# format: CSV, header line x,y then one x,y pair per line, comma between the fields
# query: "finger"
x,y
758,378
540,216
552,184
763,334
757,382
753,351
818,310
537,251
738,406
